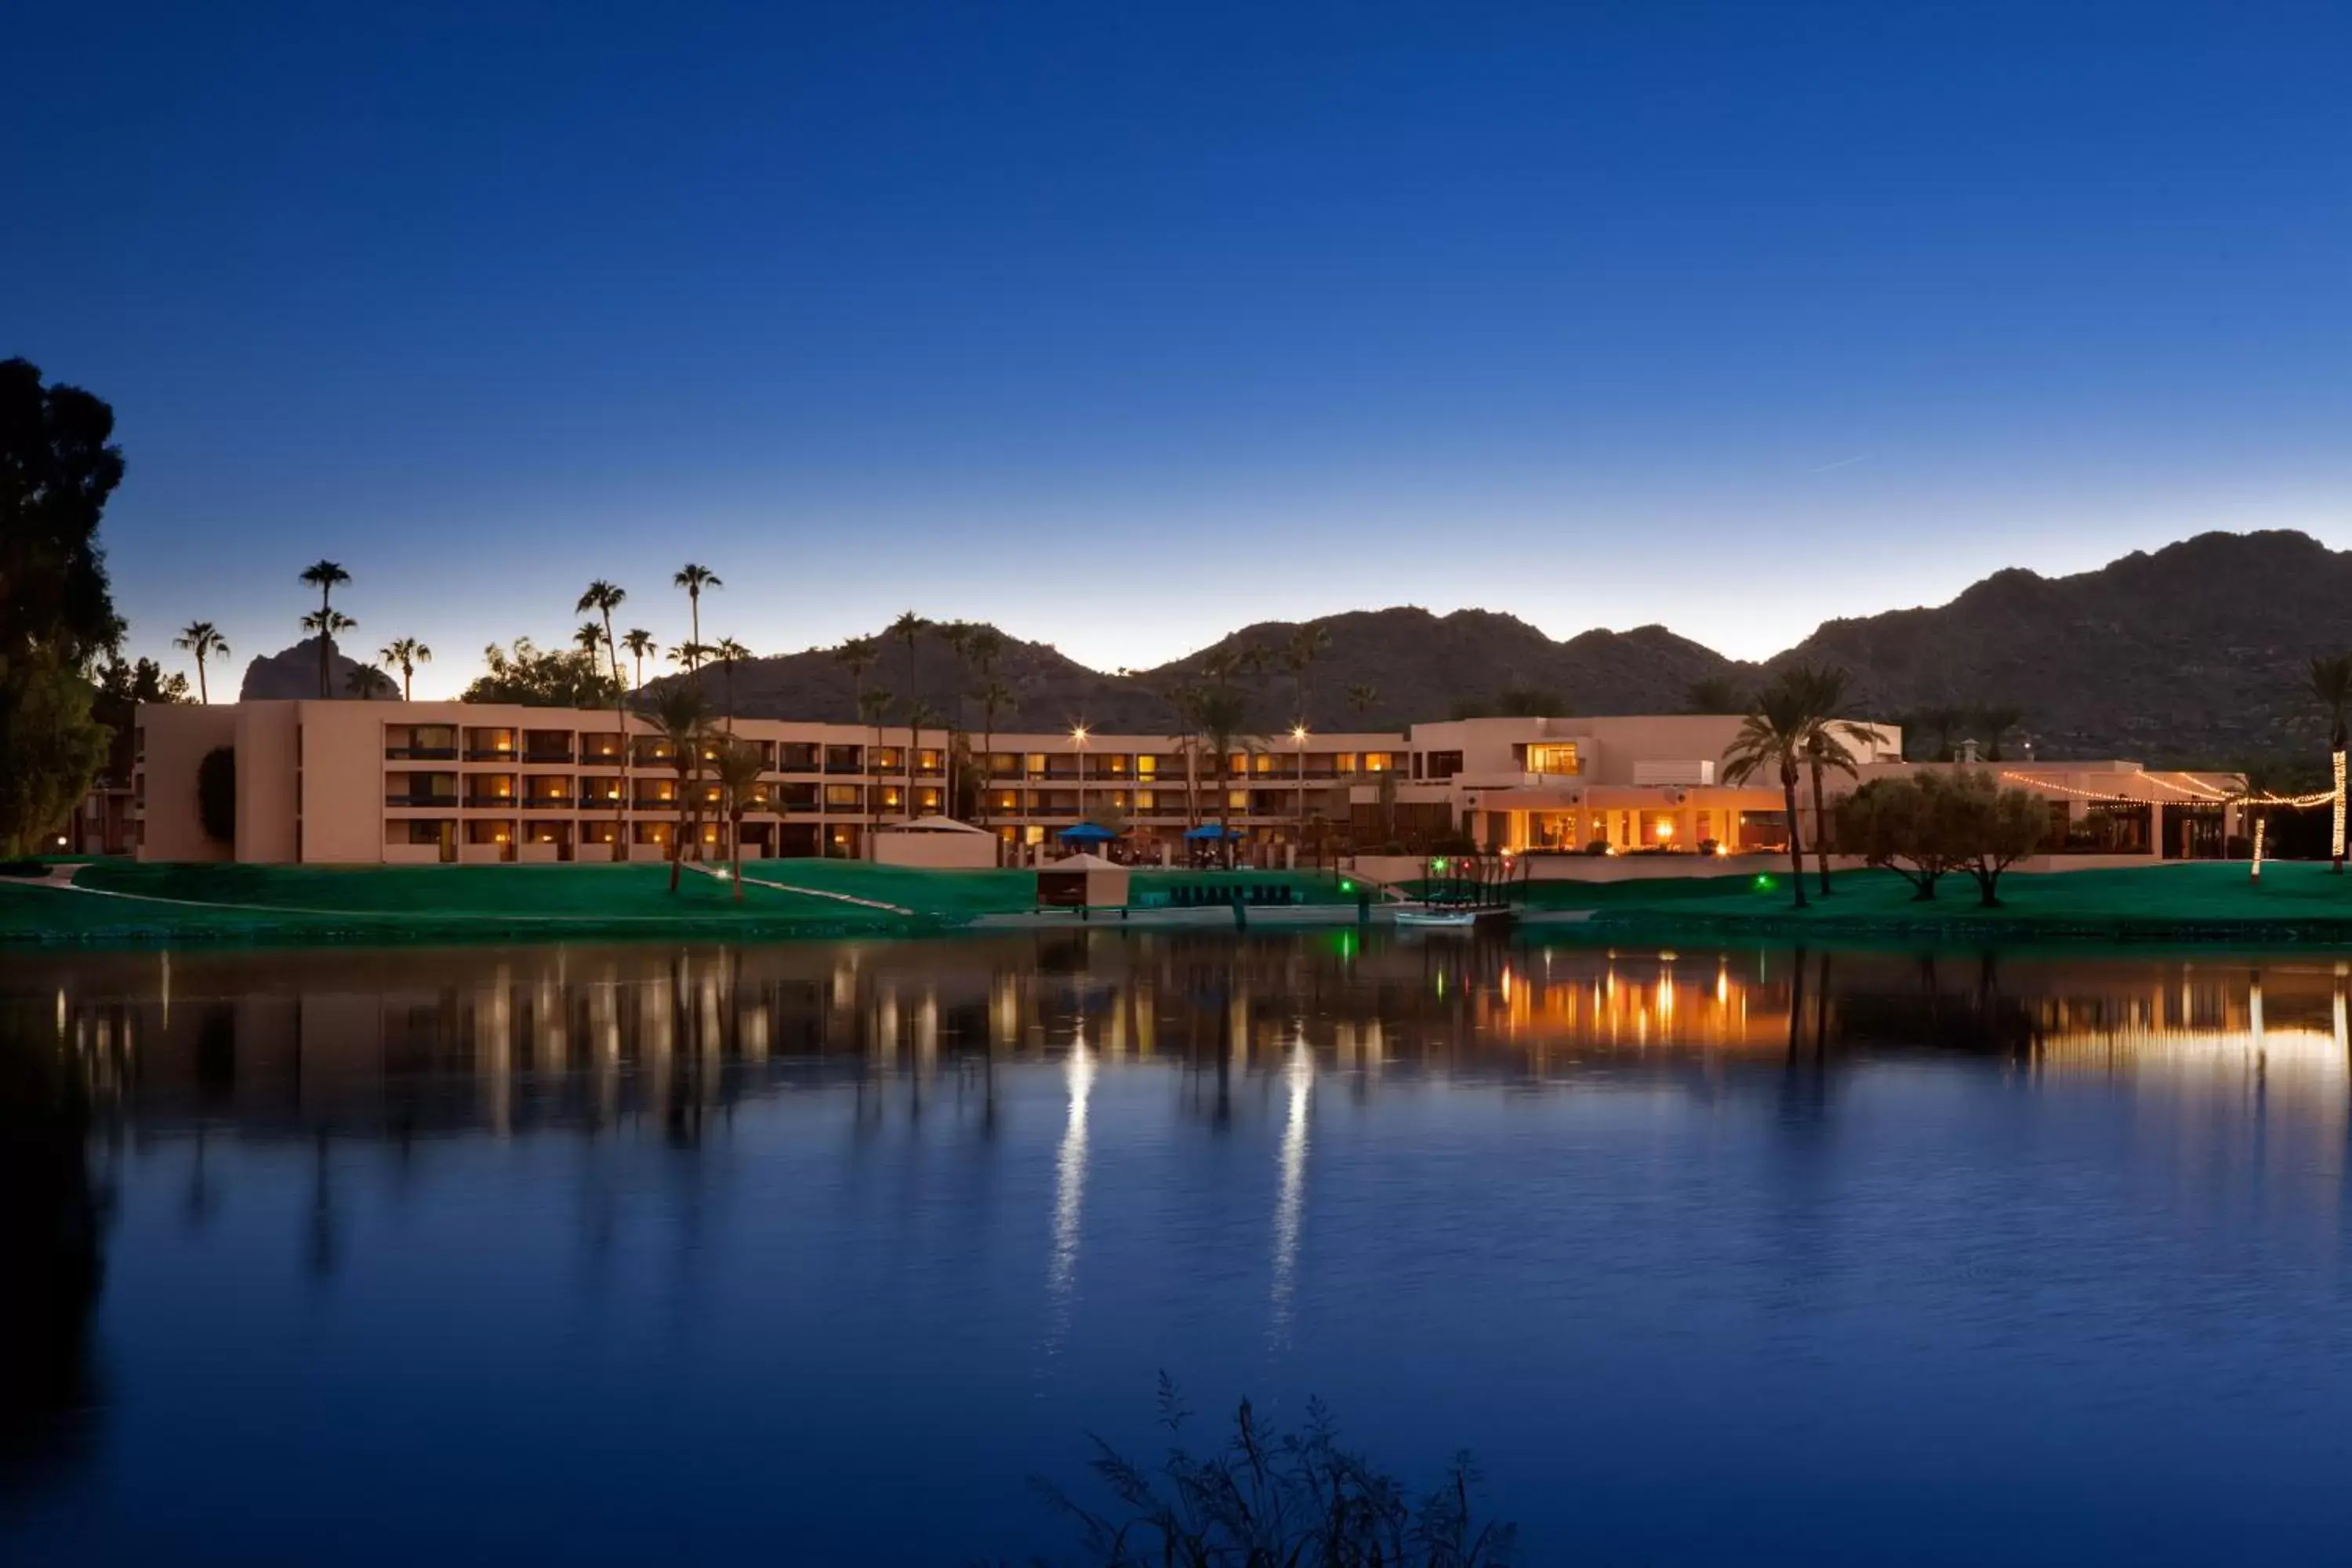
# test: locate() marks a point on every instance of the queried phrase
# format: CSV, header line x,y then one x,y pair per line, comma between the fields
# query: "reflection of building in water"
x,y
515,1038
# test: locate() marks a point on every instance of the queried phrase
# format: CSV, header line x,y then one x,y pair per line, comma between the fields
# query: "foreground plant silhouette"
x,y
1278,1499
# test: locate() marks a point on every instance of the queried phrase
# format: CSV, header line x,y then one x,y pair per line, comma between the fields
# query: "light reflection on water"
x,y
798,1232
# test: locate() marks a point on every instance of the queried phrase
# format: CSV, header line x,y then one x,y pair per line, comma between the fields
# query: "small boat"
x,y
1454,917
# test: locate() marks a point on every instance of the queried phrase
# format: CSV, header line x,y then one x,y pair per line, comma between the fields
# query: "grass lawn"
x,y
382,904
2190,897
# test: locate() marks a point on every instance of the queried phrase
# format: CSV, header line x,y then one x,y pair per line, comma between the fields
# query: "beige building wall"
x,y
171,745
342,788
269,798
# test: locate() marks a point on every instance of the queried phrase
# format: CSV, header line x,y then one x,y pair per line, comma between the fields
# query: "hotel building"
x,y
367,783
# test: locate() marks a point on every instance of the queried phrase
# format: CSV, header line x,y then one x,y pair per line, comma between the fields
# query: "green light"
x,y
1764,883
1345,886
1438,864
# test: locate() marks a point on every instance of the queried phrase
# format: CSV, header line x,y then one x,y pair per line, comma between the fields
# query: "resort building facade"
x,y
367,783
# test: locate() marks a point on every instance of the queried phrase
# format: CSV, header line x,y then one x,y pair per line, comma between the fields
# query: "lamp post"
x,y
1079,740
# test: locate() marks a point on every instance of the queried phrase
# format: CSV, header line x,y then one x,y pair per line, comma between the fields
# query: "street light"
x,y
1299,738
1079,739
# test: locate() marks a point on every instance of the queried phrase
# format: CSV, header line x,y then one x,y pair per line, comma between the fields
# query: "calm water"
x,y
816,1253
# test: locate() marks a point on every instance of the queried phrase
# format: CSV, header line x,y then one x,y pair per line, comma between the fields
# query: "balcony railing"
x,y
491,803
420,753
548,802
490,753
547,757
413,799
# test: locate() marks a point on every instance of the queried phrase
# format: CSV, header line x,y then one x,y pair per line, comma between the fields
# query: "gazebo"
x,y
1082,882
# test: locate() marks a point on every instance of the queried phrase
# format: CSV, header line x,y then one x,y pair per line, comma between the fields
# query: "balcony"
x,y
490,803
413,799
420,753
548,754
490,755
547,802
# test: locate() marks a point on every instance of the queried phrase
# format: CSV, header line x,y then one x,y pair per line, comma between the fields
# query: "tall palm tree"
x,y
995,697
588,639
640,643
1772,739
407,653
919,714
325,576
726,651
1308,643
1222,714
694,580
325,625
602,598
737,767
1996,720
681,718
1828,739
873,707
2331,688
204,641
689,658
908,627
957,636
1362,698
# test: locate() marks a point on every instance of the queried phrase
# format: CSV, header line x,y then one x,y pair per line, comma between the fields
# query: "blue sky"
x,y
1122,326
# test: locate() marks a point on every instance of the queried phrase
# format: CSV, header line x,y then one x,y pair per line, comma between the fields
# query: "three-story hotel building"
x,y
359,783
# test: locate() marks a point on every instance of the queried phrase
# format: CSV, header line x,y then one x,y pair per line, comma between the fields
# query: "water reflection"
x,y
326,1056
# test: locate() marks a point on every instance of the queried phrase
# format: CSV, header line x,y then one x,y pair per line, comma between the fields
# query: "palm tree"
x,y
1997,720
689,658
1361,698
873,707
588,639
995,697
2331,688
1221,712
640,643
602,598
407,653
681,718
1827,739
738,767
1774,738
957,636
726,651
694,580
1307,643
907,629
325,575
919,714
202,639
324,625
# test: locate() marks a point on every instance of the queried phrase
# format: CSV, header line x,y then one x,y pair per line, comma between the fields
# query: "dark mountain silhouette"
x,y
294,672
2195,652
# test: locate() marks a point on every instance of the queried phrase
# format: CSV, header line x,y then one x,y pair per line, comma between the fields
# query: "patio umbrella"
x,y
1087,833
1210,830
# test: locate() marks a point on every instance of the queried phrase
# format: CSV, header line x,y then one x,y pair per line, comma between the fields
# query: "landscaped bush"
x,y
216,794
23,869
1598,846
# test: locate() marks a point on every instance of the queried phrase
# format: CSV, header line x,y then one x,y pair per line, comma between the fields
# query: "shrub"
x,y
1598,846
1279,1497
216,794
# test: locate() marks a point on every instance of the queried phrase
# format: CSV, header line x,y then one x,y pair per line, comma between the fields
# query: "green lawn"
x,y
2192,896
299,903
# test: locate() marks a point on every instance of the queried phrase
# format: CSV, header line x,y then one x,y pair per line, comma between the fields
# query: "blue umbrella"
x,y
1087,833
1210,830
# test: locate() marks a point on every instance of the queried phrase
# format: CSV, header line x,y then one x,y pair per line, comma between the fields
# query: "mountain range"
x,y
2195,651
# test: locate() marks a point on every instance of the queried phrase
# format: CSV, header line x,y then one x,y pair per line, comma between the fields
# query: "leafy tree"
x,y
123,686
694,580
58,465
326,576
533,677
737,767
1715,694
2331,688
1903,825
216,794
1993,828
52,747
1773,739
404,654
203,640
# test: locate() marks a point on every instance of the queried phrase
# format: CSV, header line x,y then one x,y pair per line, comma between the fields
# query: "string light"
x,y
2338,847
2260,824
2242,798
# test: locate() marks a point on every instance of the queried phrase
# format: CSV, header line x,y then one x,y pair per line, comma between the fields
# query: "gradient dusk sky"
x,y
1123,326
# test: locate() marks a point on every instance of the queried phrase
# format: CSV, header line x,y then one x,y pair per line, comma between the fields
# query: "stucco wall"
x,y
266,797
342,782
177,737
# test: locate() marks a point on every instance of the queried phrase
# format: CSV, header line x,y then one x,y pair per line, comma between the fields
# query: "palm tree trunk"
x,y
1796,835
735,843
202,695
1820,828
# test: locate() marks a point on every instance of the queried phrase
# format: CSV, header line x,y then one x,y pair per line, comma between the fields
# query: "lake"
x,y
819,1252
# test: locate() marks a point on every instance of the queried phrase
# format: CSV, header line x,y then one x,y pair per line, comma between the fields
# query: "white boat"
x,y
1457,917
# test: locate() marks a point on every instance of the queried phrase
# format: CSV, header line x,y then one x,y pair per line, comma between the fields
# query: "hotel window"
x,y
844,798
600,746
1380,762
1441,764
1553,757
1146,767
886,759
1344,763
